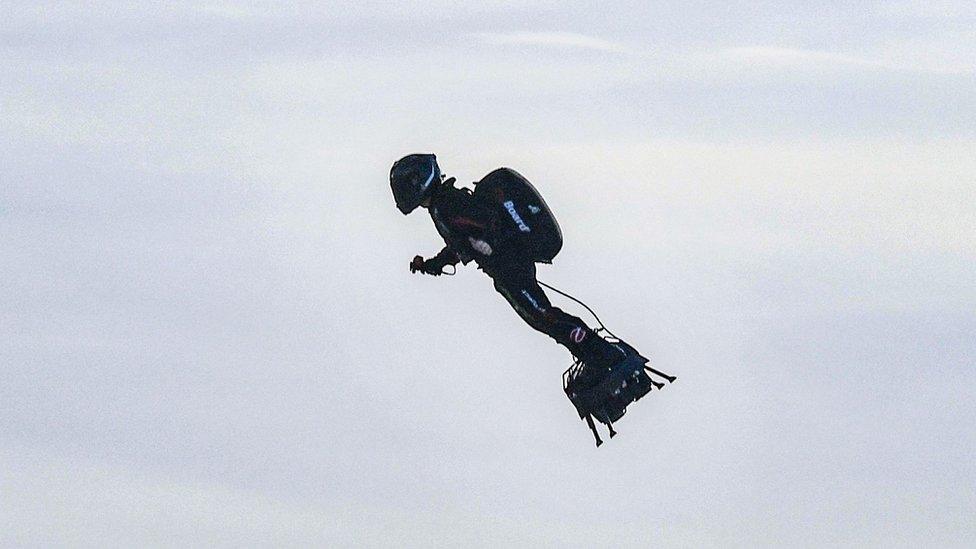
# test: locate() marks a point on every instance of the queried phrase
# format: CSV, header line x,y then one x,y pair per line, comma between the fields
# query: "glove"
x,y
418,264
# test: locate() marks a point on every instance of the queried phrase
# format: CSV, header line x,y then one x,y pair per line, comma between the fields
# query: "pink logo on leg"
x,y
577,335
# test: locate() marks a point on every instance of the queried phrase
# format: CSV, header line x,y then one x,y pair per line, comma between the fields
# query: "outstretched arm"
x,y
435,265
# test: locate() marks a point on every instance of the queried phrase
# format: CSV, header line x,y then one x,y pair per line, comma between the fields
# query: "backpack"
x,y
520,217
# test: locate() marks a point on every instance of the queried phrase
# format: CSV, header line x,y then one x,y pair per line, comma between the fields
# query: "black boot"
x,y
599,354
595,358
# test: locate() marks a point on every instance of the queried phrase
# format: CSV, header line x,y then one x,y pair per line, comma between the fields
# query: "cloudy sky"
x,y
209,335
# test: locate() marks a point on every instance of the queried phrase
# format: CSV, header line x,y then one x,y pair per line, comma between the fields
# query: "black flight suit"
x,y
463,222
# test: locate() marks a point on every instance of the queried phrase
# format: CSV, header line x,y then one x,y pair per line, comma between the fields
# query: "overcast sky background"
x,y
209,335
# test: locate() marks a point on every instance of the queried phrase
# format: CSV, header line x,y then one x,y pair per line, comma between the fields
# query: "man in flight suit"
x,y
467,224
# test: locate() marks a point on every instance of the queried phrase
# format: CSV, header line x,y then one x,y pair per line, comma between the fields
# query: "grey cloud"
x,y
209,334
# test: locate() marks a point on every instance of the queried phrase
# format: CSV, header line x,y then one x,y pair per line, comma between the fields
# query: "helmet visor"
x,y
412,178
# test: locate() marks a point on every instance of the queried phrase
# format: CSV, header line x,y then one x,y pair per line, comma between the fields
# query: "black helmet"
x,y
413,178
